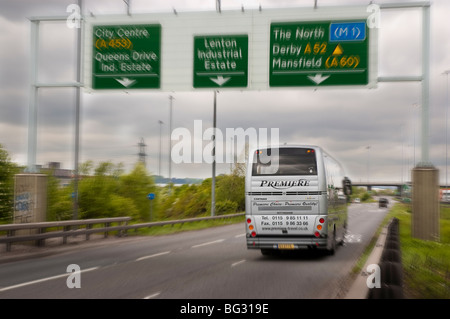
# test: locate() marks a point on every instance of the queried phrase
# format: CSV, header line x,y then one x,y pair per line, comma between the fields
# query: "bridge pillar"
x,y
425,203
30,198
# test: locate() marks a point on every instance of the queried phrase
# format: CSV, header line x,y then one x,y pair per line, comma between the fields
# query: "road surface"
x,y
212,263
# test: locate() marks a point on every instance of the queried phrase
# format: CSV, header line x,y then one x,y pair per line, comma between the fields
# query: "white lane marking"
x,y
238,263
43,279
209,243
153,295
240,235
350,238
154,255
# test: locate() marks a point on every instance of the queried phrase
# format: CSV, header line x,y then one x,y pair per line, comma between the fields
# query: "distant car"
x,y
357,200
383,202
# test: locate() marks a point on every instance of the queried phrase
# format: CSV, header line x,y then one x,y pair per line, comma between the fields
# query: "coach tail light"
x,y
251,228
319,227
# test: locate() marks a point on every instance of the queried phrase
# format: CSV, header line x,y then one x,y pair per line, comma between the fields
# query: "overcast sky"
x,y
344,121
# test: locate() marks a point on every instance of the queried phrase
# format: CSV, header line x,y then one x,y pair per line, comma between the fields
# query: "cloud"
x,y
342,120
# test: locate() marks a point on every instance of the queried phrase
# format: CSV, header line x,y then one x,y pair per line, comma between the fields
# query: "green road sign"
x,y
126,56
319,53
220,61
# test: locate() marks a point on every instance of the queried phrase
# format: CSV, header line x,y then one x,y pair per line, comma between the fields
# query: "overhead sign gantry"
x,y
245,50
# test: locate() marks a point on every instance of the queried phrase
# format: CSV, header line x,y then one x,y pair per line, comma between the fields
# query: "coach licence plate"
x,y
286,246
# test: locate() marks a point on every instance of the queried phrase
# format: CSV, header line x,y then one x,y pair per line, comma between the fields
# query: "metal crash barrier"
x,y
70,228
38,232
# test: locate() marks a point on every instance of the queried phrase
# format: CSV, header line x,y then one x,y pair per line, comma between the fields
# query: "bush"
x,y
365,197
231,188
226,206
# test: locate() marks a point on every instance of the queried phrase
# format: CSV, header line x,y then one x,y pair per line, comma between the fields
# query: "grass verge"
x,y
426,264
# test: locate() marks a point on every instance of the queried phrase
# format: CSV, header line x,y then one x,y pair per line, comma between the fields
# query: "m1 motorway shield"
x,y
126,56
220,61
320,53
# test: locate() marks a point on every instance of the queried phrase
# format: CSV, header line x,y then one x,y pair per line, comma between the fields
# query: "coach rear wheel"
x,y
332,249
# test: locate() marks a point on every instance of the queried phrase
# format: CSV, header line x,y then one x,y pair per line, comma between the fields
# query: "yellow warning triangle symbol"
x,y
338,50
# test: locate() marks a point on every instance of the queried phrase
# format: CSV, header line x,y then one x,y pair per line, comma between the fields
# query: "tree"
x,y
108,192
96,193
7,171
136,186
105,191
59,200
231,189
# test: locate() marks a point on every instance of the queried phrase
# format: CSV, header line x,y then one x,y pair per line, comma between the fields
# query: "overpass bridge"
x,y
398,185
400,189
370,185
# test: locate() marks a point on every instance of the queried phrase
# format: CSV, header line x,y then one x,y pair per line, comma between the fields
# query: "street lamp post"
x,y
368,163
159,155
170,143
446,134
415,105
